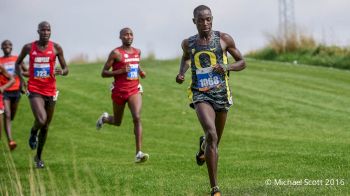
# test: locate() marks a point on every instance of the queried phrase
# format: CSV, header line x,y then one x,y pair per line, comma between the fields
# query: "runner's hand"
x,y
221,69
58,71
142,74
180,78
127,68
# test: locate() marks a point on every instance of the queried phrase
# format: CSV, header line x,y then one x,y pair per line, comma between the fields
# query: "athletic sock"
x,y
33,131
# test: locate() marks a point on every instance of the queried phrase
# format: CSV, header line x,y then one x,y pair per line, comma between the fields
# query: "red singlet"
x,y
9,64
126,84
42,70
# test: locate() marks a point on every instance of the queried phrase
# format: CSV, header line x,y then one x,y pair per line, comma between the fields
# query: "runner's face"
x,y
44,32
6,47
203,21
127,37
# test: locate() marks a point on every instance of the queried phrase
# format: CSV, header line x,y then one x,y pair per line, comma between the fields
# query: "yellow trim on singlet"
x,y
225,58
227,87
226,77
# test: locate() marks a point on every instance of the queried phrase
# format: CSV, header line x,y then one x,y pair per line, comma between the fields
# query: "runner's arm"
x,y
24,70
113,56
185,62
10,78
64,68
230,46
24,52
141,72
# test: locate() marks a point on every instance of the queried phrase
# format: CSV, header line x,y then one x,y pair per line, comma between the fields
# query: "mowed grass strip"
x,y
288,122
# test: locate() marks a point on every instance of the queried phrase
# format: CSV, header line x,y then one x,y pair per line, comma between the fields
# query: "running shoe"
x,y
99,122
200,154
215,191
38,163
33,140
12,145
141,157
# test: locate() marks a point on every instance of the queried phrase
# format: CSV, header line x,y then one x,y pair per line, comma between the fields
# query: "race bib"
x,y
42,70
207,79
10,68
133,73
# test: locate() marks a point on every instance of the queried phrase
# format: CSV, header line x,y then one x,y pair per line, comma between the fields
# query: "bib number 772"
x,y
133,73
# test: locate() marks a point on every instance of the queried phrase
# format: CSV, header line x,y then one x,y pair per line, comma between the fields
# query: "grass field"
x,y
288,123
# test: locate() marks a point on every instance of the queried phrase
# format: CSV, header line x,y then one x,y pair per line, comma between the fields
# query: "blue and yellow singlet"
x,y
207,85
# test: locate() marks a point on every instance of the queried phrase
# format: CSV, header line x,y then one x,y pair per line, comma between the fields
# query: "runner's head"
x,y
44,31
6,47
127,36
203,19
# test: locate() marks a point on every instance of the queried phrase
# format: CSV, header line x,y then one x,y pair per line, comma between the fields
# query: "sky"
x,y
91,27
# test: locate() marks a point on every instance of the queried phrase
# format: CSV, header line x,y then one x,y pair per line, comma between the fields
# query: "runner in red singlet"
x,y
12,94
124,62
42,84
6,80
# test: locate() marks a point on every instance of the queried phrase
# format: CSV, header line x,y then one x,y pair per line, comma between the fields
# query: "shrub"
x,y
304,49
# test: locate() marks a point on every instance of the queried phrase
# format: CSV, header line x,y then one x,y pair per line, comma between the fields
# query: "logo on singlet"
x,y
206,77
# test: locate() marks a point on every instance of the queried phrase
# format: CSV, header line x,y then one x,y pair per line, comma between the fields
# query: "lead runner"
x,y
210,95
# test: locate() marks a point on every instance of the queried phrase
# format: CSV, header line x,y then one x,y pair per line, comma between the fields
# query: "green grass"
x,y
320,55
288,122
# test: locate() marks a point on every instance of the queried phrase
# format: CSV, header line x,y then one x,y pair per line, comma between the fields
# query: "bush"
x,y
303,49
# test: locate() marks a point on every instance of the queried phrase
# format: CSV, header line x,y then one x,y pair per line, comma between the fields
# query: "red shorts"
x,y
121,98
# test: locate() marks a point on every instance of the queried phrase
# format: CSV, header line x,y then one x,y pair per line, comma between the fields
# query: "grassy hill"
x,y
289,123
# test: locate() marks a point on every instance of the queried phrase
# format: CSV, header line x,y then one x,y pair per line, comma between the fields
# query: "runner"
x,y
124,62
210,95
42,91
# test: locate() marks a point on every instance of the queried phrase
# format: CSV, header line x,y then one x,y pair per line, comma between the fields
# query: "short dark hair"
x,y
6,40
200,8
43,23
124,29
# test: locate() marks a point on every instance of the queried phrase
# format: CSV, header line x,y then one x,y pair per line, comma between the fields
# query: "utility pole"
x,y
286,18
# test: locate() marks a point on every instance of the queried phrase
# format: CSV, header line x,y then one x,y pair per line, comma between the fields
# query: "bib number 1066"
x,y
207,79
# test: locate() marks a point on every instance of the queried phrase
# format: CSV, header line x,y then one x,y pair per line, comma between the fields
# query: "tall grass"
x,y
11,175
44,181
303,48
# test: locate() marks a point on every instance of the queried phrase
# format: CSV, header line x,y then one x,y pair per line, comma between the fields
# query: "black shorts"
x,y
219,99
49,100
215,106
13,96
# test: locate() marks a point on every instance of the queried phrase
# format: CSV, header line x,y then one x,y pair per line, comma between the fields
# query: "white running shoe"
x,y
99,122
141,157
